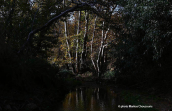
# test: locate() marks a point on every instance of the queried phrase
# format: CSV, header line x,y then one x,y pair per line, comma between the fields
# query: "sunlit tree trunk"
x,y
92,45
64,3
100,51
67,41
77,42
66,36
100,59
83,55
68,48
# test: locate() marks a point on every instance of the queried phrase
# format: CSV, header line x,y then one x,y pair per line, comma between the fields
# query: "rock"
x,y
7,108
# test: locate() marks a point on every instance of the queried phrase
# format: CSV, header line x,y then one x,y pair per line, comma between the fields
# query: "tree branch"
x,y
49,23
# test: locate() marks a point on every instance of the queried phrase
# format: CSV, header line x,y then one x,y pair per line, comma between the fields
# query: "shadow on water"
x,y
90,99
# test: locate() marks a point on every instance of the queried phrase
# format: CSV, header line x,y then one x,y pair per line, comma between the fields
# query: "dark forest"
x,y
50,47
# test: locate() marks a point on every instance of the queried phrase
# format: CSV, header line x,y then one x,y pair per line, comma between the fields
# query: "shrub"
x,y
65,74
25,72
109,74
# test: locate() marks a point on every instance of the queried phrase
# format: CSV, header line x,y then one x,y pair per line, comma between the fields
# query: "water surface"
x,y
90,99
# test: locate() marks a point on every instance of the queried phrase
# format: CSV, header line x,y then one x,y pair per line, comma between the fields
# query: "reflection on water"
x,y
90,99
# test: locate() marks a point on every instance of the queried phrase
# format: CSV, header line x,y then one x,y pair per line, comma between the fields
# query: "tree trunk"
x,y
100,60
68,49
67,41
83,55
92,44
77,42
100,51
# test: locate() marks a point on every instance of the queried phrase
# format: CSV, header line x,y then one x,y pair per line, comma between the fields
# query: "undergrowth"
x,y
109,74
25,72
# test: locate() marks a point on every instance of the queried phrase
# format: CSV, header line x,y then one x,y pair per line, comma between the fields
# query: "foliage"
x,y
24,72
109,74
70,83
68,79
65,73
19,17
151,22
139,39
145,41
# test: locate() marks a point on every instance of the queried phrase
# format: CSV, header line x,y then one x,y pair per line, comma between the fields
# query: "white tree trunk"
x,y
92,44
77,41
67,41
83,56
100,59
100,50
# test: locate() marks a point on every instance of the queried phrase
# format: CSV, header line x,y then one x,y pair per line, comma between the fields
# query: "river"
x,y
90,99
